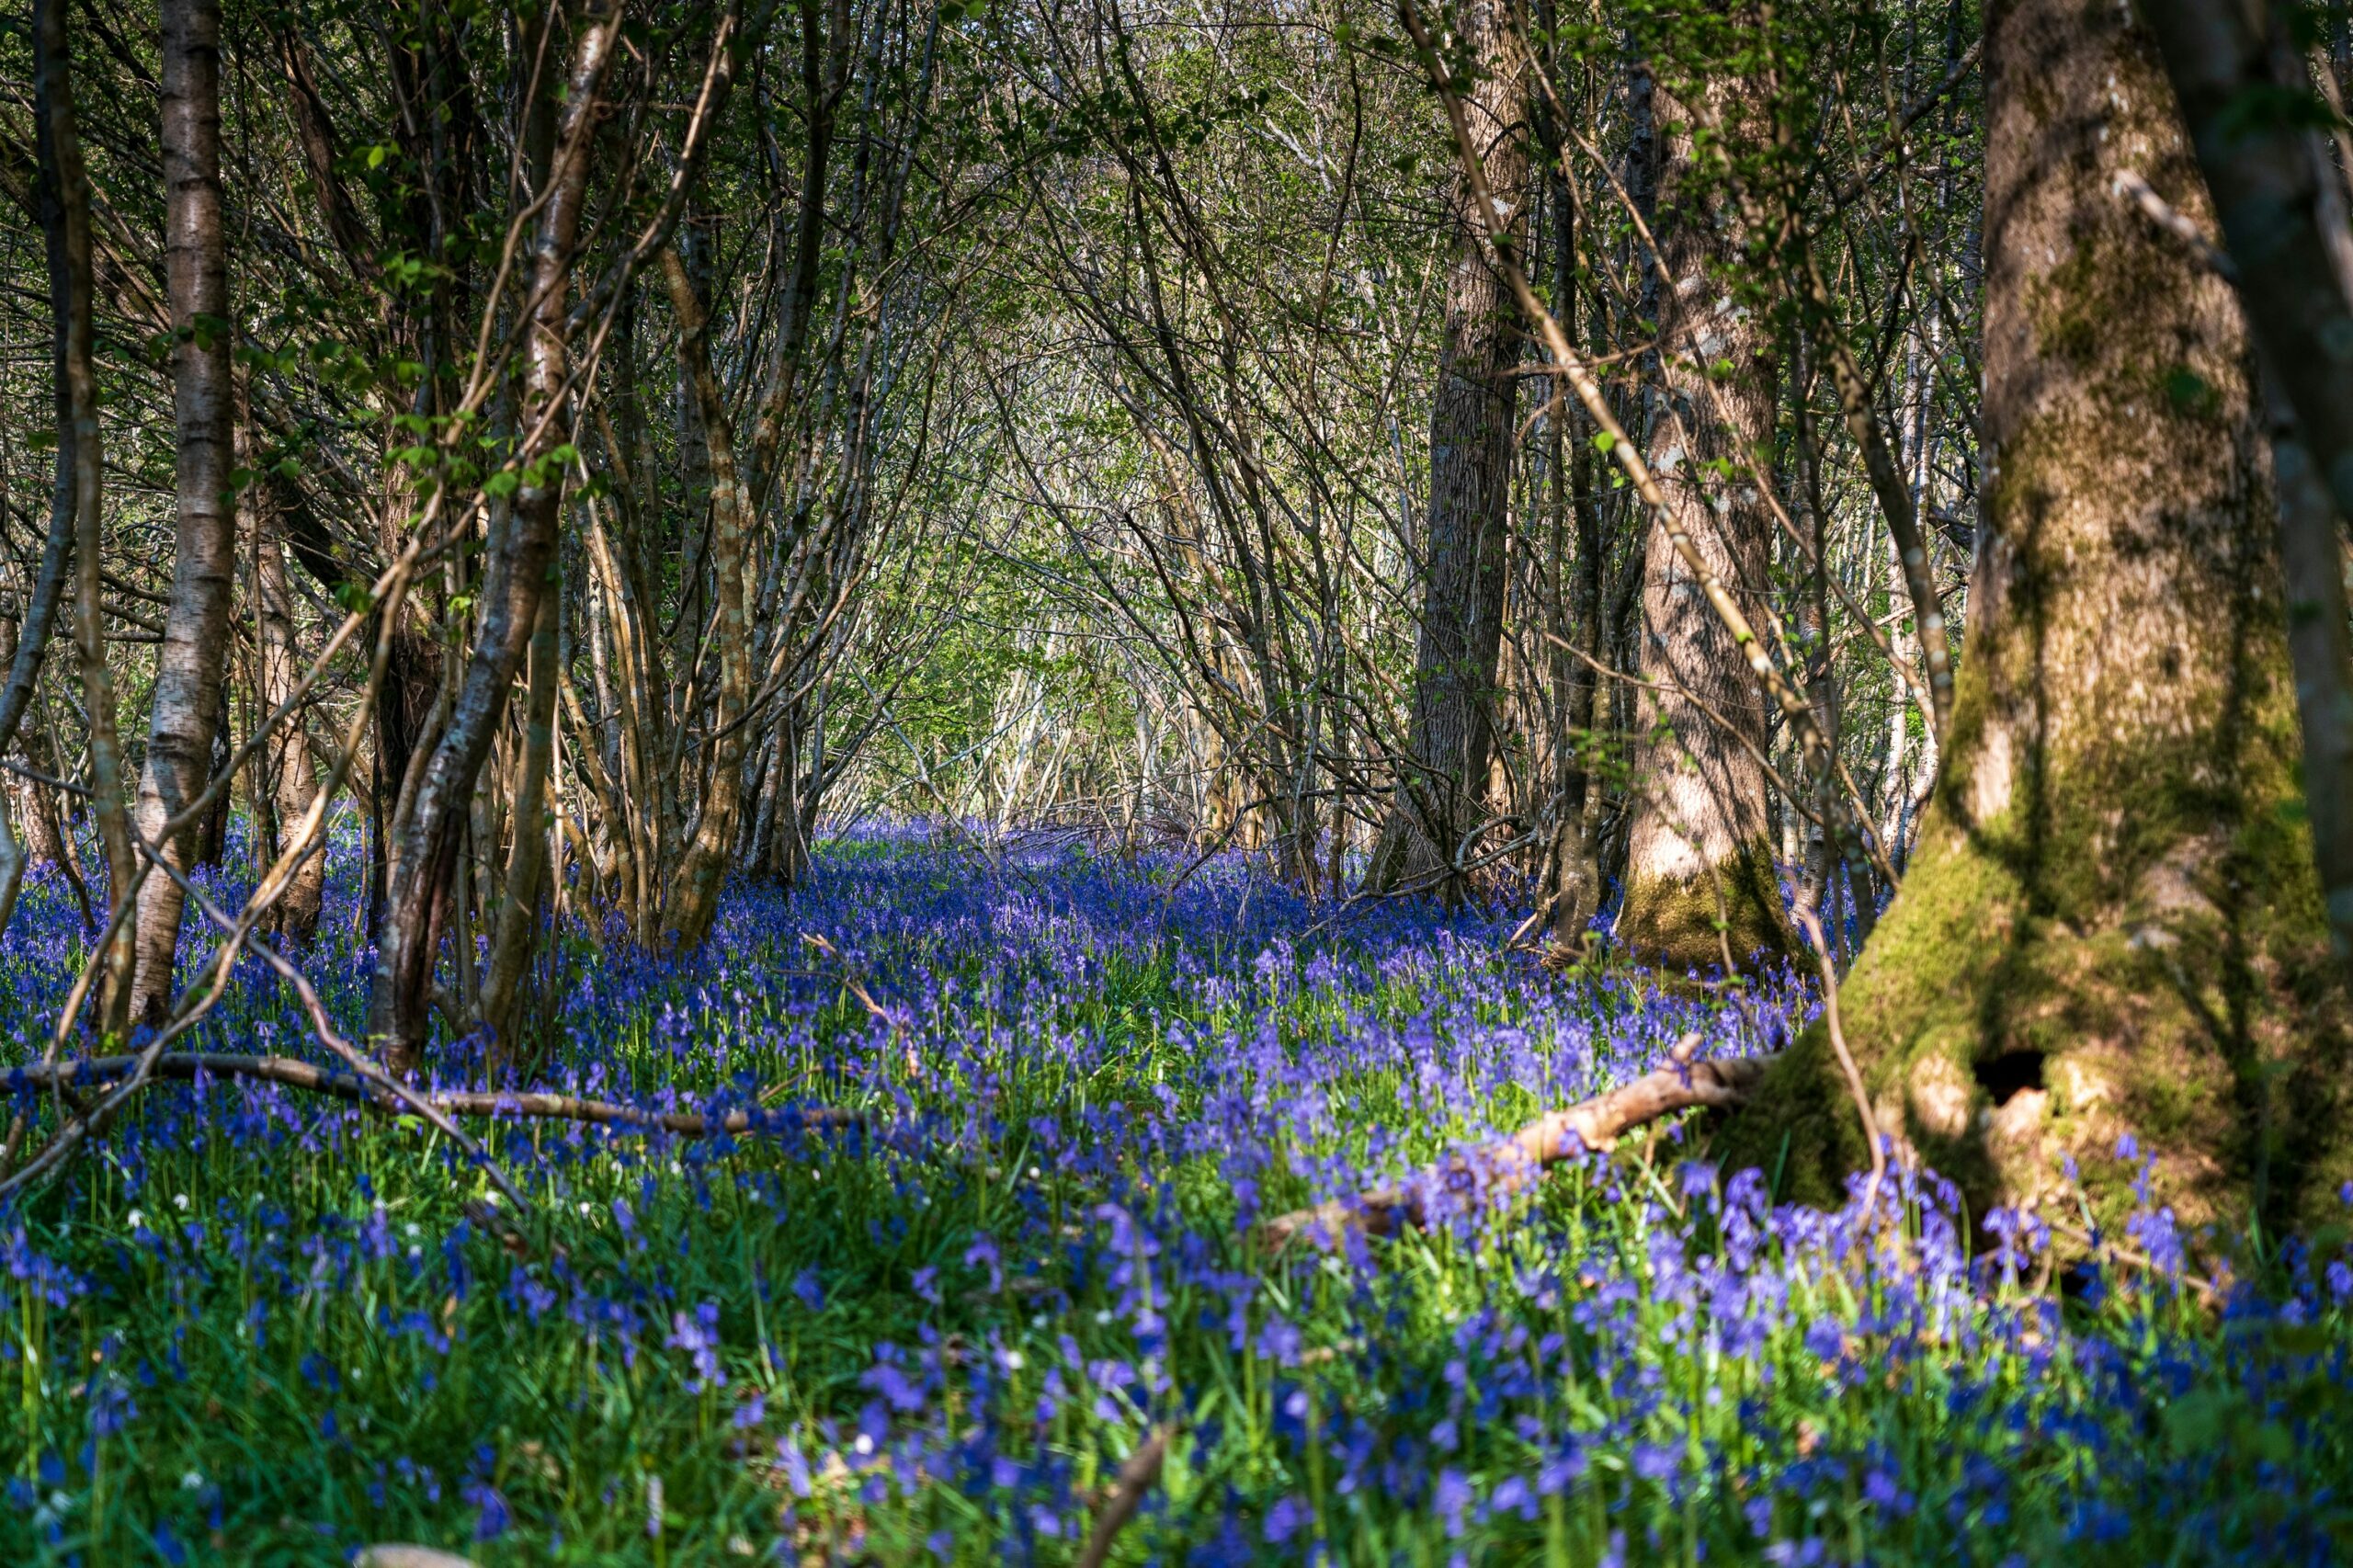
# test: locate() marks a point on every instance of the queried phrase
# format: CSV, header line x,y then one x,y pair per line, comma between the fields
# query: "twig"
x,y
1136,1477
346,1085
2206,1291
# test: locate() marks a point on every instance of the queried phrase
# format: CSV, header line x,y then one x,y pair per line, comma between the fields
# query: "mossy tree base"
x,y
1728,915
2198,1013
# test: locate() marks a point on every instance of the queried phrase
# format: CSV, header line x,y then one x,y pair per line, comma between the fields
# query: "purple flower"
x,y
698,1335
1286,1518
1452,1500
1824,1340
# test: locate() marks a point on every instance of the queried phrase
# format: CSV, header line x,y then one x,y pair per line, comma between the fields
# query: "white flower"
x,y
864,1445
191,1481
1013,1360
179,1202
135,1218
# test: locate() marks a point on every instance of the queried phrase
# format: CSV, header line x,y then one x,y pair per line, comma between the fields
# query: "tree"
x,y
2111,924
1701,892
188,696
514,577
1441,785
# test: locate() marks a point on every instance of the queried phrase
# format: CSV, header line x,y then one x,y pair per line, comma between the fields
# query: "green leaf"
x,y
2196,1419
1603,441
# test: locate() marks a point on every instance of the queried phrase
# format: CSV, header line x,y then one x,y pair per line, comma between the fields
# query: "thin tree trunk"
x,y
694,896
65,214
293,778
188,665
518,913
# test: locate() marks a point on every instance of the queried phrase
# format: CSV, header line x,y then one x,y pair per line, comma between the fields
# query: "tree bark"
x,y
1441,786
518,913
189,662
2272,184
292,778
65,214
1701,892
2112,924
693,897
515,575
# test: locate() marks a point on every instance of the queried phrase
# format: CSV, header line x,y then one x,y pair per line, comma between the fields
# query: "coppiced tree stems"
x,y
515,574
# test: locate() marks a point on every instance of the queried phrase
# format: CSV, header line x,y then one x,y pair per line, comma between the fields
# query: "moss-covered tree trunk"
x,y
1701,888
2112,924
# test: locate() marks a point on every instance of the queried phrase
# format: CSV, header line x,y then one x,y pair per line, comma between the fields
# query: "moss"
x,y
2178,988
1679,924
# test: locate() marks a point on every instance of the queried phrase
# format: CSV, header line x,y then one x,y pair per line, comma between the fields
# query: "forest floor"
x,y
261,1326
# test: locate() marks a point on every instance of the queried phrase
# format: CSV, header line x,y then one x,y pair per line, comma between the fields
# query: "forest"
x,y
1176,781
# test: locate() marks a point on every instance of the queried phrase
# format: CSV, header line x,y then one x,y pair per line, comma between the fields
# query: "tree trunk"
x,y
65,221
196,629
1442,778
2111,923
2274,187
518,913
693,897
292,779
515,574
1701,892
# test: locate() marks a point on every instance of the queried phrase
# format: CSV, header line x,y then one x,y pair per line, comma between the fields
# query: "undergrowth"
x,y
254,1327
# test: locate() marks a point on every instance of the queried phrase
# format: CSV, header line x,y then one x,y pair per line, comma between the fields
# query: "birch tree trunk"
x,y
1442,778
1701,892
2112,922
188,665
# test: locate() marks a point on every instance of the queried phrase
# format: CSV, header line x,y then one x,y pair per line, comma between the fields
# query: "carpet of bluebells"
x,y
258,1325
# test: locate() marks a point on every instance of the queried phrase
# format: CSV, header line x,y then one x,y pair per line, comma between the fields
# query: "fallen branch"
x,y
344,1085
1590,1126
1136,1477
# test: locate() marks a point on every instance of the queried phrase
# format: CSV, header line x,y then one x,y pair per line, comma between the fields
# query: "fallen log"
x,y
311,1076
1514,1163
